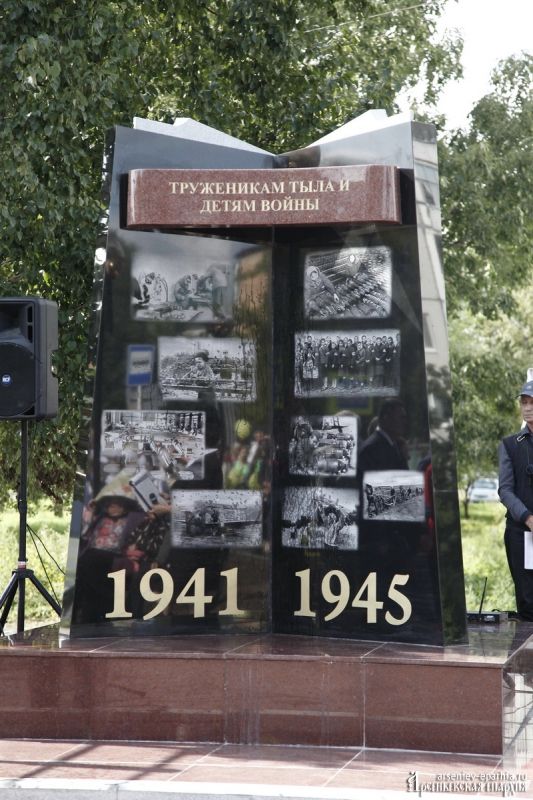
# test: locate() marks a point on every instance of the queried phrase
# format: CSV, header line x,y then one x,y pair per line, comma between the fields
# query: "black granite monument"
x,y
270,441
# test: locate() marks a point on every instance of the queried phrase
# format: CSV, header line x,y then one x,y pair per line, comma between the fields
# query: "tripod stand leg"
x,y
21,604
40,588
6,601
21,573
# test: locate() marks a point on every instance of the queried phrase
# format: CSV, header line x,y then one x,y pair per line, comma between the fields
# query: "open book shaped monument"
x,y
269,434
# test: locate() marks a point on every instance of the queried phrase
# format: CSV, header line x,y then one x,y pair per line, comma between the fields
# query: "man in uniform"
x,y
516,494
386,447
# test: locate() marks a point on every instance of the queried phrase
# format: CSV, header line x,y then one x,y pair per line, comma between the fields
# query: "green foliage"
x,y
487,196
277,73
281,73
487,189
489,360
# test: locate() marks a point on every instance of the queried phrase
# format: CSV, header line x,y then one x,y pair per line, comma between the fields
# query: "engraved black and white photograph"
x,y
320,518
332,363
191,368
323,445
204,294
394,495
217,518
180,280
350,283
165,446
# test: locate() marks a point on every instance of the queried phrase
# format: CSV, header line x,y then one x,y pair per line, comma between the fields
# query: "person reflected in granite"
x,y
118,535
516,493
386,447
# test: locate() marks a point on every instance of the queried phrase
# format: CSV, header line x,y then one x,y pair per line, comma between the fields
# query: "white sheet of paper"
x,y
528,549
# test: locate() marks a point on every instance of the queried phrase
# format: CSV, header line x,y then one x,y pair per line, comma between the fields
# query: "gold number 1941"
x,y
161,591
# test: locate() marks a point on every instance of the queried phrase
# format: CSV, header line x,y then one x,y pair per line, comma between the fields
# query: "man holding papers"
x,y
516,493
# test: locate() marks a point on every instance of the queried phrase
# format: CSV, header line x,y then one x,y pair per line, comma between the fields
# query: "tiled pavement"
x,y
49,770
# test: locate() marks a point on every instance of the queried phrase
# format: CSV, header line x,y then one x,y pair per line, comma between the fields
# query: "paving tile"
x,y
391,780
280,756
35,750
415,759
243,773
276,765
137,753
73,771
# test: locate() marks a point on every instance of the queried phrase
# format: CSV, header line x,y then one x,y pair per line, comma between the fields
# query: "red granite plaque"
x,y
176,198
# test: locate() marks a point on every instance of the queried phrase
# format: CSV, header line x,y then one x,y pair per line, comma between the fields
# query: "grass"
x,y
52,530
483,556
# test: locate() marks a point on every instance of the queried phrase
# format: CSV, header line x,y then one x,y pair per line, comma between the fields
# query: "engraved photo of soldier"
x,y
323,445
350,283
332,363
223,369
214,518
394,495
320,518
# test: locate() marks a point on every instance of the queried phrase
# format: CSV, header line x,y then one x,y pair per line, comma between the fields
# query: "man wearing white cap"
x,y
516,493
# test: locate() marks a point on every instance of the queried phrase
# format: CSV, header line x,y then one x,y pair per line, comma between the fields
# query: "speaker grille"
x,y
17,380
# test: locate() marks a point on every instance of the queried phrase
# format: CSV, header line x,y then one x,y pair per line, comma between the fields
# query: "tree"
x,y
487,191
485,383
277,73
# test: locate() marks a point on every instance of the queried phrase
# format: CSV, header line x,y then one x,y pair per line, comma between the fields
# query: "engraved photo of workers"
x,y
169,445
323,446
332,363
320,518
350,283
182,280
223,369
214,518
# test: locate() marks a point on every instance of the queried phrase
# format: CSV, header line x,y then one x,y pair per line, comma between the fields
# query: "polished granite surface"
x,y
518,707
487,644
264,690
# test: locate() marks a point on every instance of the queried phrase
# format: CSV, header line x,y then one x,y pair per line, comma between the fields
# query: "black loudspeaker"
x,y
28,337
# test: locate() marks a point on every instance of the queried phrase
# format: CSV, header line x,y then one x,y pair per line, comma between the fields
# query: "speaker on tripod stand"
x,y
28,391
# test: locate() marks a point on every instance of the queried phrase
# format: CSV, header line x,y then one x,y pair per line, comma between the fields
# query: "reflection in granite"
x,y
487,644
518,706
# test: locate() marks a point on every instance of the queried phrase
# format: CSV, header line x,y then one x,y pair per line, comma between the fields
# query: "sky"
x,y
492,30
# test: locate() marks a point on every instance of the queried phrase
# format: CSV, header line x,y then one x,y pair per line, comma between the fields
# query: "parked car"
x,y
483,490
